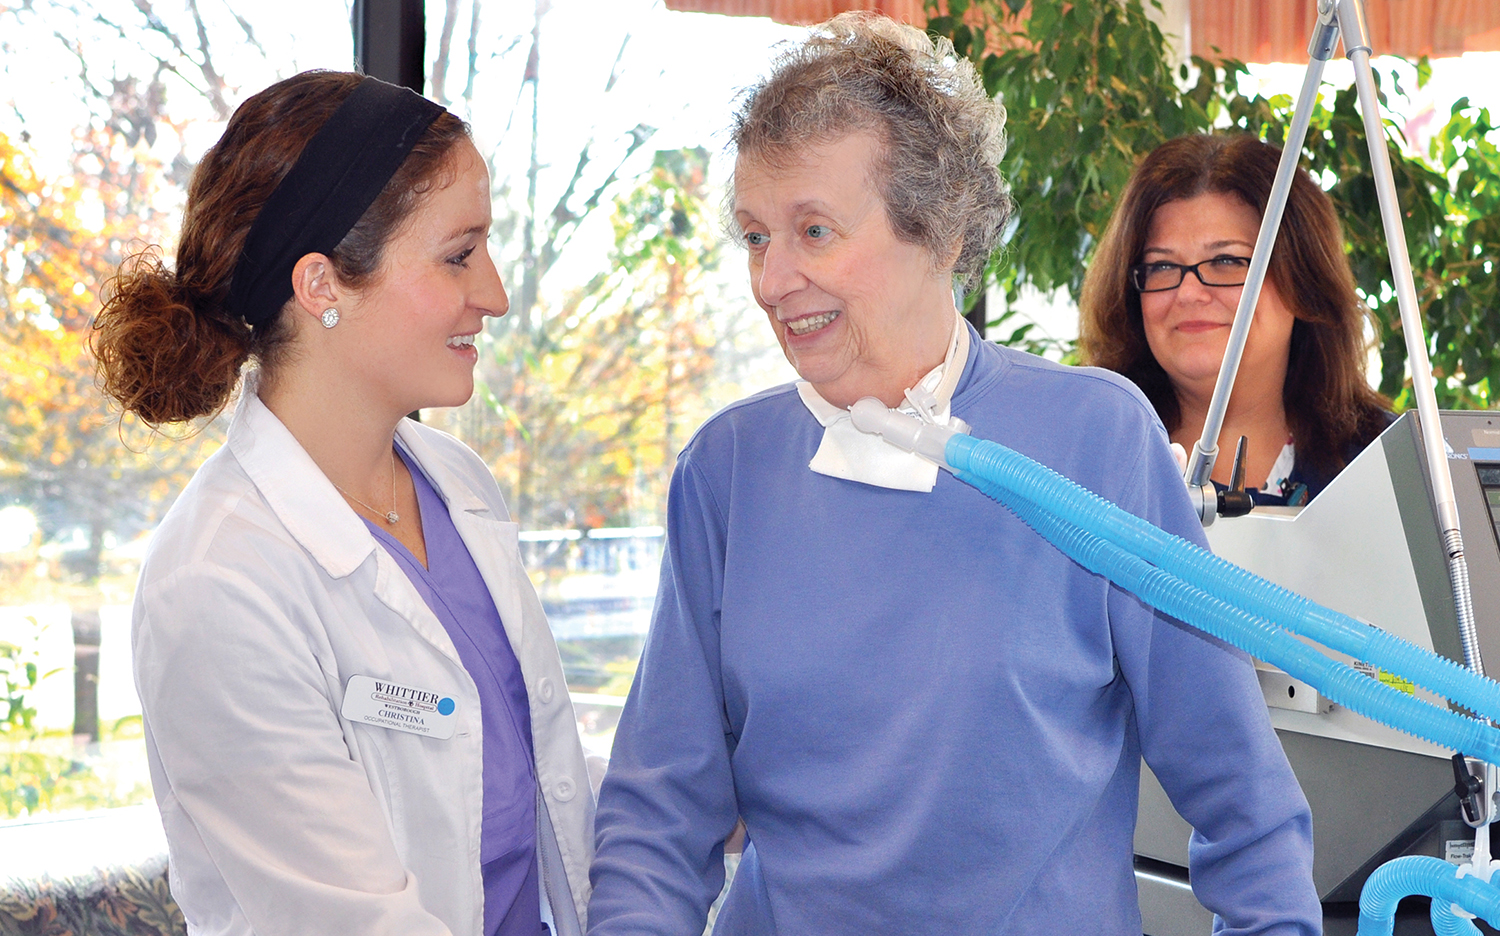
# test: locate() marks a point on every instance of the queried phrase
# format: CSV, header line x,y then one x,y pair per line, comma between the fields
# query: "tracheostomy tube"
x,y
1017,480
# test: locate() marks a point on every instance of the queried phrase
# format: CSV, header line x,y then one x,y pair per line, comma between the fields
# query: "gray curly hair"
x,y
943,137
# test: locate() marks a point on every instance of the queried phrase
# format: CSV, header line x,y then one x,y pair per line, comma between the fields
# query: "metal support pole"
x,y
1206,450
1346,18
1445,506
1357,47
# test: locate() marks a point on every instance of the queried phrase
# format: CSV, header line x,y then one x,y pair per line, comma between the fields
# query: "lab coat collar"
x,y
492,540
458,496
302,497
296,490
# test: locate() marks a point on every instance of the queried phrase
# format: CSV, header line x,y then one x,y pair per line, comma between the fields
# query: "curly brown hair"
x,y
167,347
943,136
1330,408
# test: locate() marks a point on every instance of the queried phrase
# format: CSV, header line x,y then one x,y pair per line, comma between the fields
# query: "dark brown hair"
x,y
1330,408
943,136
167,347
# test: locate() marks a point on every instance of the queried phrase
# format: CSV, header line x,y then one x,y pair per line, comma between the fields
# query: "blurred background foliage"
x,y
1090,88
43,771
581,409
63,453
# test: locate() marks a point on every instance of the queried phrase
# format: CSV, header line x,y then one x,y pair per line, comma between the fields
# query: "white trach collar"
x,y
847,453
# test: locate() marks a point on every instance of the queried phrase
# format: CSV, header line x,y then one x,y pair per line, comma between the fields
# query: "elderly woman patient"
x,y
929,720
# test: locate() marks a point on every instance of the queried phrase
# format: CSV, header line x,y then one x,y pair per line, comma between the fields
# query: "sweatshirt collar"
x,y
847,453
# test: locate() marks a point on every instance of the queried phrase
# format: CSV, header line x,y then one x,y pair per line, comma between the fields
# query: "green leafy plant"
x,y
39,773
24,775
1090,90
18,669
1449,199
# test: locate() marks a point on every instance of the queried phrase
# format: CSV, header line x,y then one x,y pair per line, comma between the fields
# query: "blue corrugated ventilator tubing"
x,y
1420,874
1260,618
1445,920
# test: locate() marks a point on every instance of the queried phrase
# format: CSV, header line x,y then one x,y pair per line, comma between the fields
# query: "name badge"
x,y
404,708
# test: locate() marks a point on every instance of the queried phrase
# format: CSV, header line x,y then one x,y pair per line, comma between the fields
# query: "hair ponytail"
x,y
162,352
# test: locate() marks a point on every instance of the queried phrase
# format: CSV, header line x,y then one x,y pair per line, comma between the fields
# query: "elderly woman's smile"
x,y
858,311
810,323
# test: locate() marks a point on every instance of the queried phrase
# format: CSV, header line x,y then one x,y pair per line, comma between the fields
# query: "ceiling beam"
x,y
1248,30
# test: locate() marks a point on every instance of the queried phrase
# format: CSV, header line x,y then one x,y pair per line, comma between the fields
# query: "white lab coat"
x,y
262,594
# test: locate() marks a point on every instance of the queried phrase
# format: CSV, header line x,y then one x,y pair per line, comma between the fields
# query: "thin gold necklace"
x,y
390,516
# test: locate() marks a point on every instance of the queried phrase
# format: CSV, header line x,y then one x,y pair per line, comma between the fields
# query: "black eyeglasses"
x,y
1162,276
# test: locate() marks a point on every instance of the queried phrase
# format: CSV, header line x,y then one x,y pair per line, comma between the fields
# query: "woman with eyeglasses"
x,y
1160,297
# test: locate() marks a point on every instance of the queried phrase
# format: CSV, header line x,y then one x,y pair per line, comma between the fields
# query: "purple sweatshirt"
x,y
930,720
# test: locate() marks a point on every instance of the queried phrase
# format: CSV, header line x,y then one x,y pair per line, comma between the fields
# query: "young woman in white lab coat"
x,y
346,735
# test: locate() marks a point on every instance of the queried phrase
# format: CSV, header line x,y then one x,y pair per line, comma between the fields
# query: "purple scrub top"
x,y
455,591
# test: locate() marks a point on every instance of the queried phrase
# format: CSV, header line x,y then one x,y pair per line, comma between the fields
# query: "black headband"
x,y
340,173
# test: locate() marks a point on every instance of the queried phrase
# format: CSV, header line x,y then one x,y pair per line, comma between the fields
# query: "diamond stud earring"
x,y
330,317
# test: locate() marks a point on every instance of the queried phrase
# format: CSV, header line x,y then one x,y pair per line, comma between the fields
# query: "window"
x,y
105,110
630,321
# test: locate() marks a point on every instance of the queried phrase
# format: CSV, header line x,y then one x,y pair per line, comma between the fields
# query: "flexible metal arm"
x,y
1206,450
1357,47
1356,32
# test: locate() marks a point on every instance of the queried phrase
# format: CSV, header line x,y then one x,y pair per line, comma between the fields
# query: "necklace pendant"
x,y
392,518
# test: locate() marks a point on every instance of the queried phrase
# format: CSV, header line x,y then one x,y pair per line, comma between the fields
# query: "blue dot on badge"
x,y
446,706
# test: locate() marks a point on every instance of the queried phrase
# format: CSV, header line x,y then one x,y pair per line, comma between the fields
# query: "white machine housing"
x,y
1368,546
